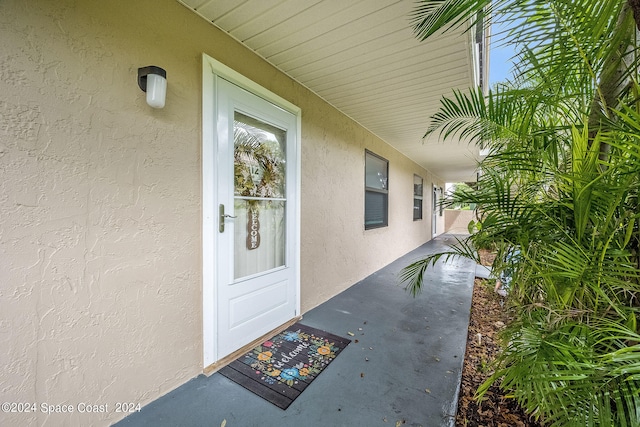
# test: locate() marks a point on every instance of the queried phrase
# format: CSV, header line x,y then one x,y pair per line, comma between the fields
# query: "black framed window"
x,y
417,197
376,191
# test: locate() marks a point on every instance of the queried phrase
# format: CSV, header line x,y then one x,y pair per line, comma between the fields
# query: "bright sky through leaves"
x,y
501,55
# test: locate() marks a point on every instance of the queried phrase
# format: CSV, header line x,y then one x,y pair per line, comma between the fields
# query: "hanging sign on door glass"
x,y
253,229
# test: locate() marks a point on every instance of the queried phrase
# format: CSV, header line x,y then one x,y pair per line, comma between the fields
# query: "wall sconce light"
x,y
153,80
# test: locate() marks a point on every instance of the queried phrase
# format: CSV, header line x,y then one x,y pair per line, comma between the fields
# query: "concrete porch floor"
x,y
405,366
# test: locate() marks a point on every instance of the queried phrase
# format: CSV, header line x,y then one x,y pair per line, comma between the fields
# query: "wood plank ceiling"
x,y
362,57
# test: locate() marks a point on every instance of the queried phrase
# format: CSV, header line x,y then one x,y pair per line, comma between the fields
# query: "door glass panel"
x,y
259,193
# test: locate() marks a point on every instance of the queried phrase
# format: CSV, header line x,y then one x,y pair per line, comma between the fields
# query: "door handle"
x,y
222,217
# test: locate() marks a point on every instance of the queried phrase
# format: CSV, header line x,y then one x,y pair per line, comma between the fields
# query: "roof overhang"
x,y
362,58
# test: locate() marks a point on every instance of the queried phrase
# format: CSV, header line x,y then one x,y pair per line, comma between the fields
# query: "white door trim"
x,y
210,69
434,211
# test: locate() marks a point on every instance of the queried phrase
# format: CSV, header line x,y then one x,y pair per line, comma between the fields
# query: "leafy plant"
x,y
560,186
258,162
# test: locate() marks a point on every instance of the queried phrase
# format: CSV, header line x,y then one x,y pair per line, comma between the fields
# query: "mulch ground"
x,y
488,317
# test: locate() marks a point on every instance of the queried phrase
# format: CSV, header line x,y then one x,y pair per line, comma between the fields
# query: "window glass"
x,y
376,197
376,172
375,209
417,197
259,191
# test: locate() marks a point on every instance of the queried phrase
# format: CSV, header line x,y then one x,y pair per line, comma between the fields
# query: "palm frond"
x,y
429,17
561,186
413,275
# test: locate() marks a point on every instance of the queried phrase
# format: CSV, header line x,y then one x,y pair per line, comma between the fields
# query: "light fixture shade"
x,y
153,81
156,90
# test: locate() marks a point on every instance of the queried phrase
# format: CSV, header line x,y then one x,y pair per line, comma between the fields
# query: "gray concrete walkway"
x,y
403,365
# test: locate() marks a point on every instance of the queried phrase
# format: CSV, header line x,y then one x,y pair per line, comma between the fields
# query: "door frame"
x,y
211,71
437,195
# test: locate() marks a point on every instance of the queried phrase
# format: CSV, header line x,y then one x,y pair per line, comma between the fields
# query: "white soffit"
x,y
361,56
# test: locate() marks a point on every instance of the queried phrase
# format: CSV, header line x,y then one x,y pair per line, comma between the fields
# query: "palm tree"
x,y
561,188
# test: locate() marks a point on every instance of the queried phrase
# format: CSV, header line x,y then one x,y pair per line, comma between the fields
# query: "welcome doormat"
x,y
281,368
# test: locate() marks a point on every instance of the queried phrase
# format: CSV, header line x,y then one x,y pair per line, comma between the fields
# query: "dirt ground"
x,y
488,317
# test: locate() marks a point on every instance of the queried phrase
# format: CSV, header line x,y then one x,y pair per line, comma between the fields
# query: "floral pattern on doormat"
x,y
281,368
292,356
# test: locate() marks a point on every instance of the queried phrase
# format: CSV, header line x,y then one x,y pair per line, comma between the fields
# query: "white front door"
x,y
434,212
254,246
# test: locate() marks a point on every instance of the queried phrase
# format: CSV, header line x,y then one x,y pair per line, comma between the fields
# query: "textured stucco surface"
x,y
458,220
336,249
100,210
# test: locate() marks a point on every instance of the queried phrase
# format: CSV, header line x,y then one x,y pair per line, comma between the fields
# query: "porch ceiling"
x,y
362,57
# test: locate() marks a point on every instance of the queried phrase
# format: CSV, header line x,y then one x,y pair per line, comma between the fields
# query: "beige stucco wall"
x,y
100,210
336,249
458,220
